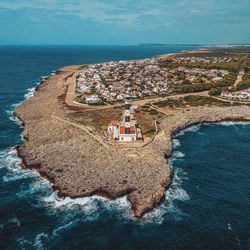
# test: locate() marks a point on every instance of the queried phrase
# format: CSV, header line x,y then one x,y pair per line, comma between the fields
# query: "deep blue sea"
x,y
206,207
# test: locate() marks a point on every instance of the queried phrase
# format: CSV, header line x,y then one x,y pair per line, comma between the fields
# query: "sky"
x,y
126,22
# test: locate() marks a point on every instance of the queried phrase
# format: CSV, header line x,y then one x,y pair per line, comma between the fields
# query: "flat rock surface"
x,y
78,165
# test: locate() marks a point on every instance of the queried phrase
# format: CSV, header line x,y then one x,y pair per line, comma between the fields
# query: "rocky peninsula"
x,y
79,166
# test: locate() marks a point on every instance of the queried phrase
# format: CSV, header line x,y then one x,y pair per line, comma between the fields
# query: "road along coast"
x,y
79,165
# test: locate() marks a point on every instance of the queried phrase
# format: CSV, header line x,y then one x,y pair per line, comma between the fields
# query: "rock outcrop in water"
x,y
79,166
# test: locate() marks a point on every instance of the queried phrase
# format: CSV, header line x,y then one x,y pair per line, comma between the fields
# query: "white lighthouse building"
x,y
127,117
125,131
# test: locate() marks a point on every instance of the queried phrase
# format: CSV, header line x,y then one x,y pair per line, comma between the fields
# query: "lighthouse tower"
x,y
127,118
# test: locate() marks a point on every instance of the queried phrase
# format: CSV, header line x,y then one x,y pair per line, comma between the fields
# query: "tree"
x,y
215,91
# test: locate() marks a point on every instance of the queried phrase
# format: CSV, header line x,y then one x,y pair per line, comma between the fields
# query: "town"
x,y
113,82
243,95
208,59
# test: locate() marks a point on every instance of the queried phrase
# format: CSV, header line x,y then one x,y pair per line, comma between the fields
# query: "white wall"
x,y
127,138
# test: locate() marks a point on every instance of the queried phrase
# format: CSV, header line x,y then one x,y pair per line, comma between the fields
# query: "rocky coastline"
x,y
78,166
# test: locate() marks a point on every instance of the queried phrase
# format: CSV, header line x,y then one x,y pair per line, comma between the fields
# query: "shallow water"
x,y
206,207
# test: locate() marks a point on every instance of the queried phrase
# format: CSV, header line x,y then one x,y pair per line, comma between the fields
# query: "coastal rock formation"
x,y
78,166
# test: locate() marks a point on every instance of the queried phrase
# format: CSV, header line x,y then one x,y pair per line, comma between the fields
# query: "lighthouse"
x,y
126,130
127,117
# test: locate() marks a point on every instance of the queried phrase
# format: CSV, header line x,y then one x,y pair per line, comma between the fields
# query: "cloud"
x,y
131,13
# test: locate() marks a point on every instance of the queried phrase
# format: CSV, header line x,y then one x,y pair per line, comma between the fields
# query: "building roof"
x,y
114,122
122,130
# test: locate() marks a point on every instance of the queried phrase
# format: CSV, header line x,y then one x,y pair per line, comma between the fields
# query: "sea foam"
x,y
30,93
168,209
178,154
12,163
176,143
92,206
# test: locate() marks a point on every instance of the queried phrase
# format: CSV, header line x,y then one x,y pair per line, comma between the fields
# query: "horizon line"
x,y
139,44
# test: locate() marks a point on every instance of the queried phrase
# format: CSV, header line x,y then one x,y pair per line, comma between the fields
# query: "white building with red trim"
x,y
127,130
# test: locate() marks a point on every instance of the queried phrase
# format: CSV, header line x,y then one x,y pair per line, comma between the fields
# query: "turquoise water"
x,y
207,206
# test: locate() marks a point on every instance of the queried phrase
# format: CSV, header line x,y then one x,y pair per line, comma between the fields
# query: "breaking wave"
x,y
168,209
176,143
41,242
231,123
178,154
193,128
92,207
41,189
10,161
29,93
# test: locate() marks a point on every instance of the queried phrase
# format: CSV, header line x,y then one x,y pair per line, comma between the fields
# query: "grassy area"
x,y
230,66
146,117
245,83
197,87
98,119
235,50
169,102
193,101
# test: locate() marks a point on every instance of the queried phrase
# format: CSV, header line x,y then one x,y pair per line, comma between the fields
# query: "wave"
x,y
66,226
176,143
38,188
193,128
168,209
41,190
13,118
232,123
10,161
178,154
30,93
92,207
41,241
11,221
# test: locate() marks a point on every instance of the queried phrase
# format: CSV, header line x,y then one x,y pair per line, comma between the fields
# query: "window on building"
x,y
127,118
127,130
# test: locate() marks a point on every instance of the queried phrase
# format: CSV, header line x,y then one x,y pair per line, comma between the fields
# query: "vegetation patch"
x,y
245,83
146,117
97,119
169,102
193,101
197,87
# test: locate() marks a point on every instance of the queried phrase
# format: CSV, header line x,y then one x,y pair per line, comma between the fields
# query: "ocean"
x,y
206,207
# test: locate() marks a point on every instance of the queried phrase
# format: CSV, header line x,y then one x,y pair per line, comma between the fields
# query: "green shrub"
x,y
169,103
196,87
215,91
153,112
243,85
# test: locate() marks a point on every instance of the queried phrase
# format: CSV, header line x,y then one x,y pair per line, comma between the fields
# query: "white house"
x,y
94,99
